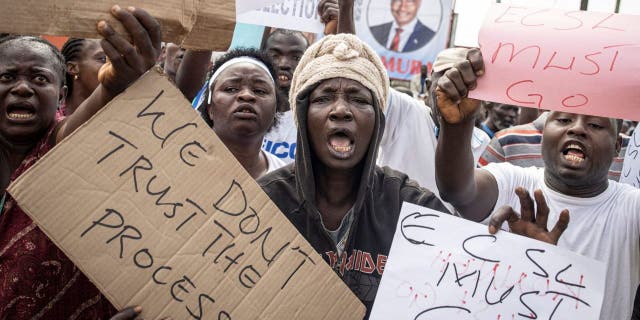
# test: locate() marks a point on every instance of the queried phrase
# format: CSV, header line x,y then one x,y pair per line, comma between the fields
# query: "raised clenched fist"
x,y
454,83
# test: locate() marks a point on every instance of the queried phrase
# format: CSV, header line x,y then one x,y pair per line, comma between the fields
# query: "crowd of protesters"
x,y
327,138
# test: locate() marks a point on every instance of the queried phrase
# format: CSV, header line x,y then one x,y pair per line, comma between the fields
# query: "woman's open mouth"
x,y
20,112
341,143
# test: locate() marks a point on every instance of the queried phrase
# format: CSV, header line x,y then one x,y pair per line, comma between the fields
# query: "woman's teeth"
x,y
20,116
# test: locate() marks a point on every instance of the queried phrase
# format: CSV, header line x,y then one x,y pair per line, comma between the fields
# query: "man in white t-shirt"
x,y
285,47
577,152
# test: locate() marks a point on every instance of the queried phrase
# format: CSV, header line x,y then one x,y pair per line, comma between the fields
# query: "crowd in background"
x,y
328,139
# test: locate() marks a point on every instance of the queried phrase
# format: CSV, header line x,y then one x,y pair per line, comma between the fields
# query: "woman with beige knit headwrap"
x,y
345,205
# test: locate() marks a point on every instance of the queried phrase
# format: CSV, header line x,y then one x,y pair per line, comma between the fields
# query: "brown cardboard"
x,y
149,139
201,24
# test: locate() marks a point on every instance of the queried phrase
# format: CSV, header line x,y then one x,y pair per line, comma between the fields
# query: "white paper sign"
x,y
444,267
631,168
301,15
243,6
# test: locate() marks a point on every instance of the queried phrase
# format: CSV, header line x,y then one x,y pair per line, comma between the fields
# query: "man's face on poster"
x,y
404,11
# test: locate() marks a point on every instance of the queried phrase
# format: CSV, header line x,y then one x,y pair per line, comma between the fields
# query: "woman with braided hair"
x,y
83,59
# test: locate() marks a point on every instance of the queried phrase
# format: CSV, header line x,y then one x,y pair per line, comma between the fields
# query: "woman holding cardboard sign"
x,y
37,280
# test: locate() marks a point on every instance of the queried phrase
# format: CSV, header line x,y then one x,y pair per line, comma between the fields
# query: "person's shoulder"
x,y
280,186
531,129
408,188
387,173
273,161
506,168
625,189
420,36
421,27
480,135
527,129
278,178
625,199
381,32
403,101
524,134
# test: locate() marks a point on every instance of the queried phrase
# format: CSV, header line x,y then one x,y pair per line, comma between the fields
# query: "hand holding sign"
x,y
130,313
533,60
454,86
128,61
529,224
195,24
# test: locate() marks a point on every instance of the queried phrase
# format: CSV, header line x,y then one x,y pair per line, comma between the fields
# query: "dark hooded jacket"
x,y
376,210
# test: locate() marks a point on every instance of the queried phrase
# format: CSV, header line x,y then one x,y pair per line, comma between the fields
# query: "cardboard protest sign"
x,y
419,40
301,15
444,267
196,24
151,206
631,168
573,61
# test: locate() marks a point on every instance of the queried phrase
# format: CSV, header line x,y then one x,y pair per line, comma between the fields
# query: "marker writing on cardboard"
x,y
232,203
189,150
228,215
114,227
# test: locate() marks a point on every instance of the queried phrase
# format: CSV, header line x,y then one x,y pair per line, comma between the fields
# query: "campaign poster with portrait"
x,y
405,33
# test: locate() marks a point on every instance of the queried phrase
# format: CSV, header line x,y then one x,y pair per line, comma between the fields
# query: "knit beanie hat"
x,y
340,56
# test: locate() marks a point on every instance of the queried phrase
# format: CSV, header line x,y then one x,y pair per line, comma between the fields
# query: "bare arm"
x,y
192,72
127,62
473,192
345,17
